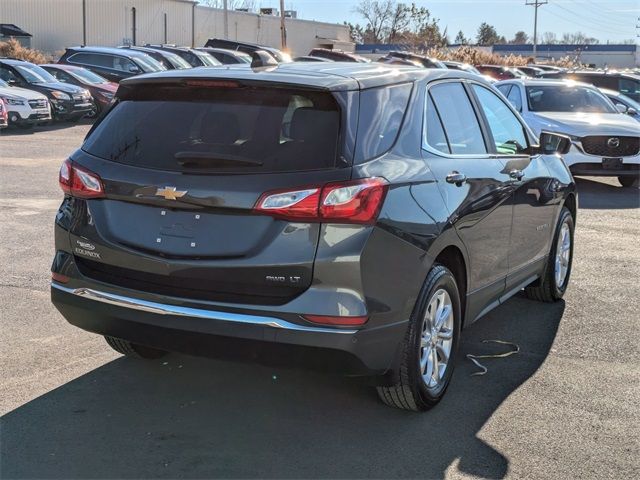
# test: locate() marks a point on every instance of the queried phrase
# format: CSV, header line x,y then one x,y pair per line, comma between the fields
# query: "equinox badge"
x,y
170,193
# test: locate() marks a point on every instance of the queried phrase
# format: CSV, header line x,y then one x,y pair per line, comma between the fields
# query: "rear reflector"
x,y
58,277
331,320
79,182
357,201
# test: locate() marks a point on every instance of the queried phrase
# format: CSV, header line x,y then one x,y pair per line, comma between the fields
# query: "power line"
x,y
578,22
603,21
536,4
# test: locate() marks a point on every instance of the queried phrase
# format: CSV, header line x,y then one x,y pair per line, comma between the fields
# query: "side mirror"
x,y
631,111
622,108
553,143
261,59
12,82
134,69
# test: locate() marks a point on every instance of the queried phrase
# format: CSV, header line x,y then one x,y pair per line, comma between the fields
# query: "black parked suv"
x,y
350,217
114,64
626,83
68,102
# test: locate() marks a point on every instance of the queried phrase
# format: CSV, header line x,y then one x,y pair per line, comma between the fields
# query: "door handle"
x,y
456,178
516,174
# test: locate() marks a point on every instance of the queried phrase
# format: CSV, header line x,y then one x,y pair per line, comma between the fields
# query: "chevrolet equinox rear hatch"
x,y
196,178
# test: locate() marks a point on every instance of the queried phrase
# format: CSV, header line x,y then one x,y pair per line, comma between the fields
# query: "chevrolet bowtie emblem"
x,y
170,193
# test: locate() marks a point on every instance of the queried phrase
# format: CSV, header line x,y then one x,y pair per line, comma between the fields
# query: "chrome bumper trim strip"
x,y
165,309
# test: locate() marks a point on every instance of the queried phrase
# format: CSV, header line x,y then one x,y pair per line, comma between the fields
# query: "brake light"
x,y
336,320
79,182
357,201
354,202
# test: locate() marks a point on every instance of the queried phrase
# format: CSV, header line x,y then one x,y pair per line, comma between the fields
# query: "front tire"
x,y
134,350
628,181
555,278
430,345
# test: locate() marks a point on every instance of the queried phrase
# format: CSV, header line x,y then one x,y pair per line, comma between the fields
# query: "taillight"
x,y
354,202
79,182
357,201
292,204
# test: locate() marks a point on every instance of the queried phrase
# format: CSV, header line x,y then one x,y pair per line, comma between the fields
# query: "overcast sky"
x,y
613,20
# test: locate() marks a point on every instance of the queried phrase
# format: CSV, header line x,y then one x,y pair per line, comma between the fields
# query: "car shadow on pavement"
x,y
187,417
593,194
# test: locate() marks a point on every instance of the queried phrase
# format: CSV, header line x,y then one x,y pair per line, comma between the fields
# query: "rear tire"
x,y
434,329
134,350
628,181
552,286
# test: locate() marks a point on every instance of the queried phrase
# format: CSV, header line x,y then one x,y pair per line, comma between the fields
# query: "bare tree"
x,y
549,38
377,13
231,4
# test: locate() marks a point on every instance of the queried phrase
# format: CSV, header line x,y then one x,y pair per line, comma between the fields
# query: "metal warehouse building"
x,y
56,24
598,55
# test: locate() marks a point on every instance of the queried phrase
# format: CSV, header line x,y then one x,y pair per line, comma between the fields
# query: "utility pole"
x,y
226,20
536,4
283,29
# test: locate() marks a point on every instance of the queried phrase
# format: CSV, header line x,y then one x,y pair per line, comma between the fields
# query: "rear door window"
x,y
92,59
458,118
381,112
226,130
435,136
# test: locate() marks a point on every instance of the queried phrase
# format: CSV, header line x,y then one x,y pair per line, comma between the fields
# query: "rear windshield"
x,y
226,130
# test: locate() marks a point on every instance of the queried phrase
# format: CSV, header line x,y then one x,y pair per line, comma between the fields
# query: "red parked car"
x,y
4,117
102,90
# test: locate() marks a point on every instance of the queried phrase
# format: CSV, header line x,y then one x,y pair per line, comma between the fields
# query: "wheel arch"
x,y
453,258
571,202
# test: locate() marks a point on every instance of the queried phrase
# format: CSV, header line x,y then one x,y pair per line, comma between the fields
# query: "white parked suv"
x,y
25,107
605,142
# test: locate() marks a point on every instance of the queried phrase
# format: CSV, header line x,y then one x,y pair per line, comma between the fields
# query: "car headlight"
x,y
60,95
14,101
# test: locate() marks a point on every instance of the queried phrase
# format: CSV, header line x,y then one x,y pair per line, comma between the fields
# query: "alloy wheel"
x,y
436,338
563,255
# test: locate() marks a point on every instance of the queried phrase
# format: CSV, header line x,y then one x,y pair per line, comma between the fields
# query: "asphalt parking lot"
x,y
566,406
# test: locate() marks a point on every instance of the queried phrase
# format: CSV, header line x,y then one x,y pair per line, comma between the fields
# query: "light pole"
x,y
283,29
536,4
226,20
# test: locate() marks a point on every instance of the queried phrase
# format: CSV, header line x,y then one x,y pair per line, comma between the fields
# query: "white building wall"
x,y
302,35
56,24
52,28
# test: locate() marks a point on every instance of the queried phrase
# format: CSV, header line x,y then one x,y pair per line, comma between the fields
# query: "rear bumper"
x,y
266,337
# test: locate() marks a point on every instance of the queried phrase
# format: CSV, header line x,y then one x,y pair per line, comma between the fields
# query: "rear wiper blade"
x,y
198,159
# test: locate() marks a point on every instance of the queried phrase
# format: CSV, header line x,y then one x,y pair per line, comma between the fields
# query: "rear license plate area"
x,y
611,163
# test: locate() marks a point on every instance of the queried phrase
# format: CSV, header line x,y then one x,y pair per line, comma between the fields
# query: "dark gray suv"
x,y
344,217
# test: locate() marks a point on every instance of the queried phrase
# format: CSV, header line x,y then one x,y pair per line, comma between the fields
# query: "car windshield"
x,y
35,74
207,59
88,76
177,61
557,98
149,64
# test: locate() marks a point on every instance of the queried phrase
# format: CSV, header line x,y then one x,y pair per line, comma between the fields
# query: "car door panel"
x,y
479,206
532,185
